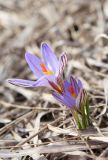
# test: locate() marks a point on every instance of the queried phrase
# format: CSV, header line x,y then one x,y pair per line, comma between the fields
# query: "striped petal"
x,y
41,82
74,85
65,100
79,98
44,81
21,82
79,84
62,62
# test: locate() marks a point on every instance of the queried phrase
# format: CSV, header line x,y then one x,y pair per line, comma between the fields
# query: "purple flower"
x,y
48,70
72,93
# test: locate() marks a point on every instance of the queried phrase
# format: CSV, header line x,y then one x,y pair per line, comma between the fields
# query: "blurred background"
x,y
77,27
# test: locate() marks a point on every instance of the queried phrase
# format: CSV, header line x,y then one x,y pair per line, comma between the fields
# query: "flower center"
x,y
45,70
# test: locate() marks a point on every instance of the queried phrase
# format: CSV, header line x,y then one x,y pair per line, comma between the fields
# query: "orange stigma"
x,y
71,90
44,69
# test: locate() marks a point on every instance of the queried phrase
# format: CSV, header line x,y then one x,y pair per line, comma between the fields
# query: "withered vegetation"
x,y
33,126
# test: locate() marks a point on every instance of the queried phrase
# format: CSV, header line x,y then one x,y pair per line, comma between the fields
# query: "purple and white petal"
x,y
62,63
41,82
44,81
66,85
58,97
49,58
69,99
21,82
79,98
61,99
34,64
79,84
65,100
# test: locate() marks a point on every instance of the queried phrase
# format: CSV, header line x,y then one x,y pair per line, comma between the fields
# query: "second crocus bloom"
x,y
75,97
71,93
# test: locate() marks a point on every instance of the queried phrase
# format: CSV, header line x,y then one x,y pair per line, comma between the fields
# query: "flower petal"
x,y
58,97
41,82
34,64
70,100
62,62
65,100
49,58
44,81
79,84
74,84
79,98
66,85
21,82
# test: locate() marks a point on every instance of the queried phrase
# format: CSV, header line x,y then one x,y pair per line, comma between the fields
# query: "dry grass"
x,y
33,126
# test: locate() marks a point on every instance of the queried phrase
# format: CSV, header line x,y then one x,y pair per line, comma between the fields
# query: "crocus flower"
x,y
48,69
74,97
71,94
